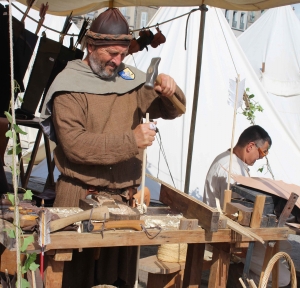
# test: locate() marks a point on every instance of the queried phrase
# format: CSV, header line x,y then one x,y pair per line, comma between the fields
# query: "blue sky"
x,y
297,10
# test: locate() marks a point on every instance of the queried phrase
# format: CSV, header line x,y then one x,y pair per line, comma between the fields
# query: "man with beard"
x,y
93,111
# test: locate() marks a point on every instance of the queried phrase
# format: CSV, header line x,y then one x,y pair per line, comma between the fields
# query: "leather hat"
x,y
109,28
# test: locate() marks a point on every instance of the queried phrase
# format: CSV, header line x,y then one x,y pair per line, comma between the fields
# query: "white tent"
x,y
275,40
222,60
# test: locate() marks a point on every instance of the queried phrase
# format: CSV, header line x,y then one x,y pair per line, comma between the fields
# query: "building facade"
x,y
239,21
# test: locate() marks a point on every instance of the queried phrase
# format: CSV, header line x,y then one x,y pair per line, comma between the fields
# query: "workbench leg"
x,y
220,266
193,266
53,274
164,280
270,252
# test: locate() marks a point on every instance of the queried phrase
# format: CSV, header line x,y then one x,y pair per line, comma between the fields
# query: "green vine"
x,y
17,232
251,106
249,111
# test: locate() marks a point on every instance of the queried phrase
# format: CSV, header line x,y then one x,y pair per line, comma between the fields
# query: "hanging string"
x,y
164,22
162,150
43,24
186,26
226,42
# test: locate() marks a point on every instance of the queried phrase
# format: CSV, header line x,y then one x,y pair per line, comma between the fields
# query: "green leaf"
x,y
251,96
18,149
10,233
260,169
33,266
30,258
247,89
28,240
10,151
24,283
19,130
11,198
9,134
27,195
8,116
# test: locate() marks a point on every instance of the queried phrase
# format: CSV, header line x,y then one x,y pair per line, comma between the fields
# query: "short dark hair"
x,y
255,134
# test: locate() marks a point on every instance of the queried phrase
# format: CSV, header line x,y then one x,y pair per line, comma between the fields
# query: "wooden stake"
x,y
142,205
232,137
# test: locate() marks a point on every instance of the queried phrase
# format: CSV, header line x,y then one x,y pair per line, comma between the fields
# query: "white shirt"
x,y
217,176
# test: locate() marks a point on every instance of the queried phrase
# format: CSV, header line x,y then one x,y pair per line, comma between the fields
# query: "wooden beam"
x,y
190,207
75,240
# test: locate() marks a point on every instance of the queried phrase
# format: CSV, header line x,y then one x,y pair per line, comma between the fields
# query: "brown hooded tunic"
x,y
93,128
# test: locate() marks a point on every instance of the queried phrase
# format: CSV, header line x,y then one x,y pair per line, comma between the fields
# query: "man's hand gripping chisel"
x,y
151,78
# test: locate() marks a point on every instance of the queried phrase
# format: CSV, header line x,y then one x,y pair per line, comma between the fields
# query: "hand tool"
x,y
99,213
119,224
151,77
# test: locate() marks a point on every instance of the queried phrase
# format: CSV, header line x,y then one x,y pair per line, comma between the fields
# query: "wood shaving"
x,y
122,210
63,212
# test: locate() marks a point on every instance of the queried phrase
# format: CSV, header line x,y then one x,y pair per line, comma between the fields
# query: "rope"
x,y
36,21
264,281
226,42
158,24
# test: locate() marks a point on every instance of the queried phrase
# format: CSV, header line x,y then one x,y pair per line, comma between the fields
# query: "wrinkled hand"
x,y
144,136
165,85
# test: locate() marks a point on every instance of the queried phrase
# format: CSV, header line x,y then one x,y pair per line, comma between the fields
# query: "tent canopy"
x,y
223,59
81,7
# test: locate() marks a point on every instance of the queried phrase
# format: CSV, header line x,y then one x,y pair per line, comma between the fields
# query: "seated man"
x,y
253,144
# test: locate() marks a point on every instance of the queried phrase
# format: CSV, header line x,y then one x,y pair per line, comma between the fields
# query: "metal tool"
x,y
151,78
99,213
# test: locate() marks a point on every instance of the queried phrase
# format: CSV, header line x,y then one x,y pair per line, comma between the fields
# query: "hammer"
x,y
151,77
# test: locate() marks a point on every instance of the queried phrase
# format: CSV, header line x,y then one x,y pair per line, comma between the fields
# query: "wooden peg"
x,y
227,198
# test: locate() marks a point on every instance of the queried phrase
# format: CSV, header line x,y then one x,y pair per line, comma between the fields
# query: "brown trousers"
x,y
114,263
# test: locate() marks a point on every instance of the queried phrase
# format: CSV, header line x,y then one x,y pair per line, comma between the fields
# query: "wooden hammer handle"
x,y
120,224
177,104
99,213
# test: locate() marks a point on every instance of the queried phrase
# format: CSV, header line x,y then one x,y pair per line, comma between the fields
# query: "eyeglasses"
x,y
262,153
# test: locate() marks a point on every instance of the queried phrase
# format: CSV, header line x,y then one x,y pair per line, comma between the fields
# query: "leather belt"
x,y
126,193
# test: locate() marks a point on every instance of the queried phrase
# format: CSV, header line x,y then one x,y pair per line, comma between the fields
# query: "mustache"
x,y
112,64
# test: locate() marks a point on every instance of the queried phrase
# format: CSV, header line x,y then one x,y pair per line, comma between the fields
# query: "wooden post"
x,y
258,209
270,252
220,266
194,258
263,67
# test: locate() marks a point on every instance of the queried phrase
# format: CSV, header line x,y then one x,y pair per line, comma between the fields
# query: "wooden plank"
x,y
258,209
219,269
190,207
63,255
243,213
53,273
193,266
75,240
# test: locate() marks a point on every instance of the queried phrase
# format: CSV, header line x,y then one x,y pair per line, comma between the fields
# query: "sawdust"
x,y
122,210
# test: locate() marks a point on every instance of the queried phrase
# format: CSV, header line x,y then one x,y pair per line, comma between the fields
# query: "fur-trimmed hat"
x,y
109,28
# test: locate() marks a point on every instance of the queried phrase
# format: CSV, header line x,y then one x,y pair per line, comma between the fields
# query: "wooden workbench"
x,y
223,240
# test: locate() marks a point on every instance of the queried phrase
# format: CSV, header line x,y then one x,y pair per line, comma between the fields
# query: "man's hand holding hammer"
x,y
165,85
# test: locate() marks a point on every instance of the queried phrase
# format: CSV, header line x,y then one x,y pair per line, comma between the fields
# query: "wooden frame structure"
x,y
223,241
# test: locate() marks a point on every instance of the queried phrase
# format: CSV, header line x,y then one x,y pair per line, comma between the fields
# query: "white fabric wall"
x,y
214,116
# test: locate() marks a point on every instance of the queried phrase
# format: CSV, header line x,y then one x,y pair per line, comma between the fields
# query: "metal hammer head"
x,y
152,73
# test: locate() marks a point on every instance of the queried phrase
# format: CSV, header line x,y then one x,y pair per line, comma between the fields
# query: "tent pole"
x,y
195,101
